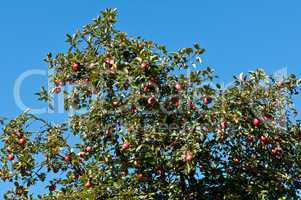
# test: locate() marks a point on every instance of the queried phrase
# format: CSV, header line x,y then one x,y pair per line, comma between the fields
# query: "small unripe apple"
x,y
22,141
82,154
178,86
125,146
144,66
57,90
207,100
75,67
264,139
88,184
10,156
256,122
88,149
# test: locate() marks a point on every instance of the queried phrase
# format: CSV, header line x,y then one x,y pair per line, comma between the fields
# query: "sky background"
x,y
239,36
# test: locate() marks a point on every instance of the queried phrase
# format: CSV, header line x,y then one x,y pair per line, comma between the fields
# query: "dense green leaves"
x,y
154,125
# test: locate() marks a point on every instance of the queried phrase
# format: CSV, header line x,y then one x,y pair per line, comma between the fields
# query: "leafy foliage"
x,y
154,127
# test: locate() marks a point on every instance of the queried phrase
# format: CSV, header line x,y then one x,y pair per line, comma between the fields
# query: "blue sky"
x,y
238,35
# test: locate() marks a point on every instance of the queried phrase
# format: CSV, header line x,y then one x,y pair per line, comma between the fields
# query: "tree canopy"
x,y
153,124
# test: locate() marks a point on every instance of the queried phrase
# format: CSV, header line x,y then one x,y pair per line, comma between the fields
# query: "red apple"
x,y
67,158
276,151
81,154
250,138
151,100
88,184
75,67
178,86
144,66
88,149
264,139
175,101
146,88
224,124
256,122
57,90
126,146
236,161
207,100
10,157
192,106
22,141
188,156
108,61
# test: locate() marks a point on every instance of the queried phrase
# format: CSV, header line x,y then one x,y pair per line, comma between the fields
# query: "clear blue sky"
x,y
238,35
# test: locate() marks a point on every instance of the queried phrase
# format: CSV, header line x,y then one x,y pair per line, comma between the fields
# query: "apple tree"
x,y
148,123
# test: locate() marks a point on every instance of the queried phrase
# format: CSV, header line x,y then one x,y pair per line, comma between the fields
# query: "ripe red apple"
x,y
276,151
175,101
133,109
256,122
224,124
88,184
178,86
89,149
207,100
192,106
82,154
126,146
144,66
22,141
188,156
10,156
151,100
75,67
57,90
264,139
146,88
67,158
236,161
250,138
